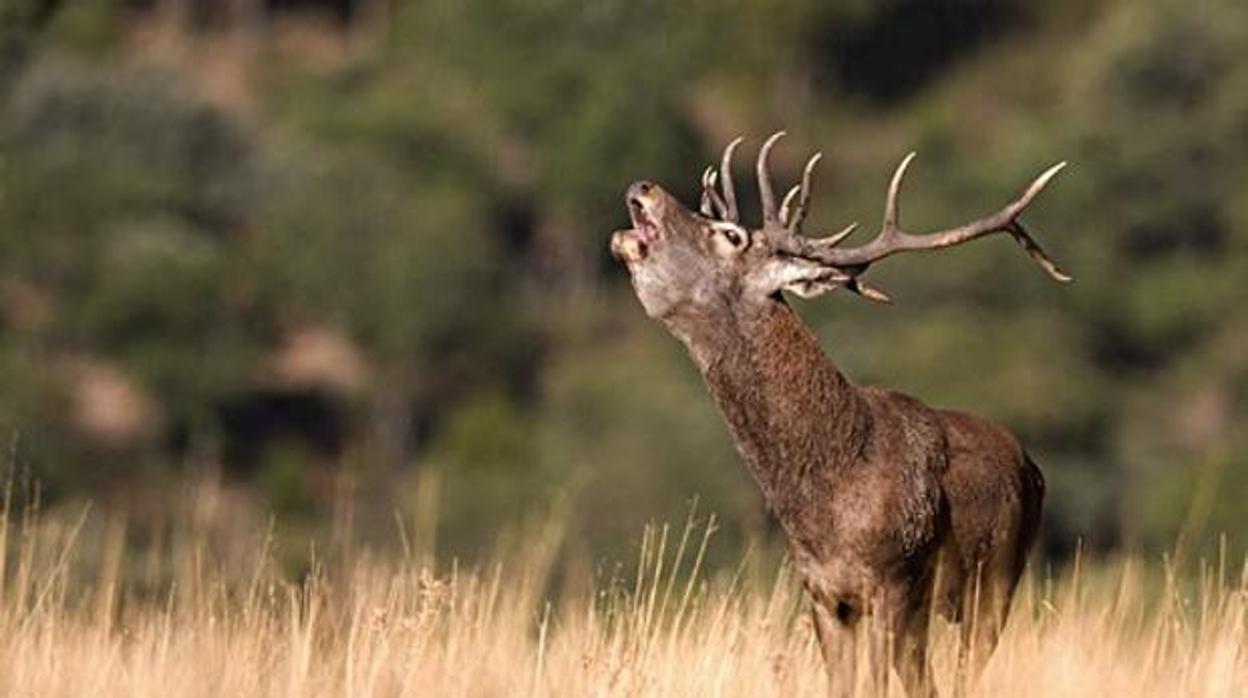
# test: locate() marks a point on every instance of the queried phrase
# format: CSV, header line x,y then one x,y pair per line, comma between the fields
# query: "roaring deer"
x,y
891,509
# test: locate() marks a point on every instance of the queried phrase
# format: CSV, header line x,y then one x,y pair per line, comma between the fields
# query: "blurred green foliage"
x,y
432,185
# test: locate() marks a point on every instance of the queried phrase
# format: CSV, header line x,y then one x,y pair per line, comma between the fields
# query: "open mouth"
x,y
642,222
632,245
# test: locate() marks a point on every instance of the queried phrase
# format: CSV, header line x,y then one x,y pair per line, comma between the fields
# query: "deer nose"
x,y
637,191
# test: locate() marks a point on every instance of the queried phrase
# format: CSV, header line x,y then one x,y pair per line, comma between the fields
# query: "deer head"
x,y
691,264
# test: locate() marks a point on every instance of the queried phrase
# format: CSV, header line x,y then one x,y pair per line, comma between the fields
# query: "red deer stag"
x,y
889,506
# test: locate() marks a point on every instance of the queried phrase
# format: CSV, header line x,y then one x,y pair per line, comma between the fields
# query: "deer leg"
x,y
985,607
836,626
880,635
909,651
978,637
900,621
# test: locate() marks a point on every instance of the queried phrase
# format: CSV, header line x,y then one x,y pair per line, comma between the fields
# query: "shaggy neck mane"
x,y
795,418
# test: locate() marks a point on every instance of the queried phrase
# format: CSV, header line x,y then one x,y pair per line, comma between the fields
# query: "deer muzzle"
x,y
642,199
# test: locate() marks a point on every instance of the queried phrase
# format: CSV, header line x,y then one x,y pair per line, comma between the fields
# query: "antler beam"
x,y
892,239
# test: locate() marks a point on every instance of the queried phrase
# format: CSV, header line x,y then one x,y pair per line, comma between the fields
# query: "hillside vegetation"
x,y
361,255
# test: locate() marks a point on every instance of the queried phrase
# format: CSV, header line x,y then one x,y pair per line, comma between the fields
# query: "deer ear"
x,y
804,277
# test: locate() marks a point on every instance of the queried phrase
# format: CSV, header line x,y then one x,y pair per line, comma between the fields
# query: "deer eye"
x,y
733,234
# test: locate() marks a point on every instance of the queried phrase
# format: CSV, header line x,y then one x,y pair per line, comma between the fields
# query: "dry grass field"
x,y
202,615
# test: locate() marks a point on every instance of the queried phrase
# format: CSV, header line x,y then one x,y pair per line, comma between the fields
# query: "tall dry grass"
x,y
198,614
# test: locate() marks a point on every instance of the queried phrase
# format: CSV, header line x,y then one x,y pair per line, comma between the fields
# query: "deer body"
x,y
871,488
891,509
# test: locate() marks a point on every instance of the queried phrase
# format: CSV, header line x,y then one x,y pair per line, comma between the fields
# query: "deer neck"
x,y
796,420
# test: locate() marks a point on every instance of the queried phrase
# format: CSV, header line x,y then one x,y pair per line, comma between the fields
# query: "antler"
x,y
892,239
783,225
725,208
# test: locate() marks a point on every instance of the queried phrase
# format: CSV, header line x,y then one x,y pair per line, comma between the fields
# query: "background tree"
x,y
341,249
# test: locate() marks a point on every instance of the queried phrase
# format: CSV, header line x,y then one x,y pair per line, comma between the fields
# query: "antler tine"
x,y
704,205
1033,250
786,203
866,290
725,175
891,239
712,205
891,212
1036,187
766,197
836,238
803,202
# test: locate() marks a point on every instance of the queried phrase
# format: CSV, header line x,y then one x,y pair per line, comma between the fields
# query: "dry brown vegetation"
x,y
198,613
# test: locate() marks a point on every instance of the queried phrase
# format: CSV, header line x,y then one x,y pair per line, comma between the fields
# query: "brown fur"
x,y
872,489
892,509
